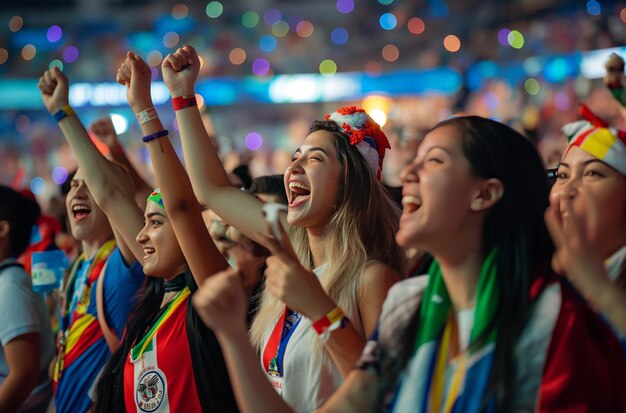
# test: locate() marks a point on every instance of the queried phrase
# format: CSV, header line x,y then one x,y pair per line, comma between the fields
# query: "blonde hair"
x,y
360,231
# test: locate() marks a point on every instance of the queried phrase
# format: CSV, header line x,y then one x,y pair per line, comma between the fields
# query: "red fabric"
x,y
271,348
174,364
585,367
48,229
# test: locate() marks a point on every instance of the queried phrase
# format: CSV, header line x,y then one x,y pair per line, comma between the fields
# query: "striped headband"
x,y
594,136
364,133
156,197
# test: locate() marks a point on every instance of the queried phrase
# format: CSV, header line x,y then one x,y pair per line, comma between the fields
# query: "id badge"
x,y
277,383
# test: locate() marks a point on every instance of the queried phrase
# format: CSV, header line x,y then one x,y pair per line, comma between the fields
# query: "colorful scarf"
x,y
467,389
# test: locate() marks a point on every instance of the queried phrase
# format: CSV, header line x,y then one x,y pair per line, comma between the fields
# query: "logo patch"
x,y
150,391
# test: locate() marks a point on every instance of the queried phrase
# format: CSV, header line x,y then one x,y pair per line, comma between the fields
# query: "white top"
x,y
308,379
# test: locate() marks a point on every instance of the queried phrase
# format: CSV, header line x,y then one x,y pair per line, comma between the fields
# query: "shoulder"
x,y
377,275
12,278
116,267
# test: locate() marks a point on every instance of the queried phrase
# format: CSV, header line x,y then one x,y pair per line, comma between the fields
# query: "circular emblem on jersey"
x,y
150,391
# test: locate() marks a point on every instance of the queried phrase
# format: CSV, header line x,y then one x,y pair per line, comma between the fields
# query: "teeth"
x,y
77,208
297,185
148,250
411,200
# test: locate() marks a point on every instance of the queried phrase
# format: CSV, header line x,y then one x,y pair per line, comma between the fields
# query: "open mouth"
x,y
148,252
80,212
410,204
298,194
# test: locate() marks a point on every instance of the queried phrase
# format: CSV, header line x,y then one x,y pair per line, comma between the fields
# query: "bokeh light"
x,y
503,36
304,28
271,16
56,63
170,39
373,68
385,2
532,86
154,58
345,6
214,9
561,101
388,21
70,54
390,53
16,23
54,34
379,116
59,175
120,123
22,123
416,25
180,11
237,56
250,19
154,73
293,22
260,67
594,8
254,141
267,43
452,43
28,52
328,67
516,39
280,28
37,185
4,55
339,36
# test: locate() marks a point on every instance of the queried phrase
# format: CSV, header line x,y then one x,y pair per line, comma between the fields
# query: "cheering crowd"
x,y
499,286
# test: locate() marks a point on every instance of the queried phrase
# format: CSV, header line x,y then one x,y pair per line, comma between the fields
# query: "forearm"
x,y
14,390
253,391
345,346
142,189
182,207
607,297
203,164
92,163
358,394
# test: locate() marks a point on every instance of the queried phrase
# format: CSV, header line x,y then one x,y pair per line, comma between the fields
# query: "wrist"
x,y
57,107
319,309
141,105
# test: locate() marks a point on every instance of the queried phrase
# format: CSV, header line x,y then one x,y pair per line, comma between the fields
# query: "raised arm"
x,y
180,203
104,131
107,182
208,177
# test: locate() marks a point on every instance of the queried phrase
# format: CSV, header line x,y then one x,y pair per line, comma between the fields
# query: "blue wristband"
x,y
156,135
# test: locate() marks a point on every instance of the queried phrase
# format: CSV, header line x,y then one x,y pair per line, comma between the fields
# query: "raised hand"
x,y
221,303
180,71
104,131
135,74
54,89
290,282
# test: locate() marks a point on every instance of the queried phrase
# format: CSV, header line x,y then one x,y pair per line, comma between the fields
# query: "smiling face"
x,y
87,221
312,181
598,195
163,257
438,189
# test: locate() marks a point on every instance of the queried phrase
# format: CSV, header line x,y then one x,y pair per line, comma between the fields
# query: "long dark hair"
x,y
109,394
515,225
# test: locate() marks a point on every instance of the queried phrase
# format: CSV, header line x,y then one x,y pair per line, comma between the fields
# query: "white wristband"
x,y
147,115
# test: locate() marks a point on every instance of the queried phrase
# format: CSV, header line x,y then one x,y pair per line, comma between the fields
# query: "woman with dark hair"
x,y
490,328
167,360
341,224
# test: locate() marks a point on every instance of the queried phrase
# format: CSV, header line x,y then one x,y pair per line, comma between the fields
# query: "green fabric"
x,y
436,304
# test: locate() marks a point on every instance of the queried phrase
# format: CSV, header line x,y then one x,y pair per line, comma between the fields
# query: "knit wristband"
x,y
146,115
183,102
156,135
64,112
334,320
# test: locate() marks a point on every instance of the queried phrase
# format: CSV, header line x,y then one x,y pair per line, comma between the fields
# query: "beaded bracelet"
x,y
64,112
334,320
183,102
146,115
156,135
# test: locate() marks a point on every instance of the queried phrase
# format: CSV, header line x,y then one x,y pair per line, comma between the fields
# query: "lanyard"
x,y
275,349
